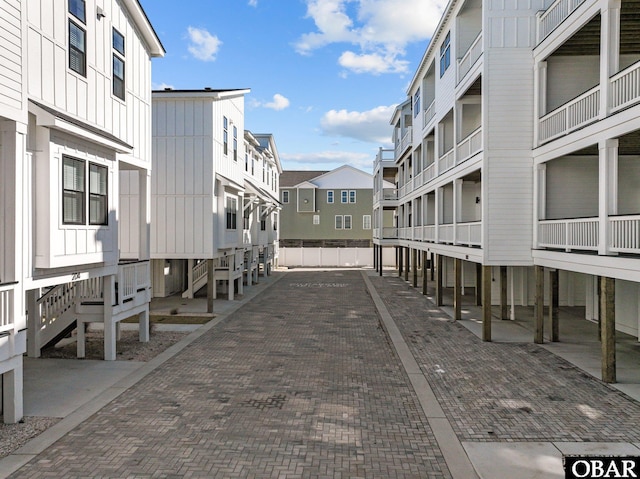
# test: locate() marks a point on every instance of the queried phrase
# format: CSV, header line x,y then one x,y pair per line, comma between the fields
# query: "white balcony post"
x,y
457,207
144,215
540,201
438,212
108,294
540,98
607,195
609,52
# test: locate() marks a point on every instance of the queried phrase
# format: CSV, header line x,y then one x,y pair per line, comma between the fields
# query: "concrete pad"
x,y
57,387
597,448
516,460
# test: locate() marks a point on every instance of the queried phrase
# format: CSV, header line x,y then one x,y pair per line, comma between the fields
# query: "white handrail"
x,y
471,145
625,234
469,233
447,161
6,307
470,57
625,87
578,233
557,12
429,113
570,116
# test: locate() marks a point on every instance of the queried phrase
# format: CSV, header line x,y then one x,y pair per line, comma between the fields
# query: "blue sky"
x,y
324,75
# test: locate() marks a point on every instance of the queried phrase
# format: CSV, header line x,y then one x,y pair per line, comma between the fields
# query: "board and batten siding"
x,y
90,98
11,77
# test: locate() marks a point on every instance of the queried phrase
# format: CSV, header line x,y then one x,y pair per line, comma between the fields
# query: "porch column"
x,y
478,284
432,263
190,291
608,328
608,190
406,269
554,304
457,289
439,280
144,215
457,207
414,260
375,257
486,302
211,284
424,272
504,306
539,96
380,260
400,260
33,324
538,336
12,396
108,295
609,51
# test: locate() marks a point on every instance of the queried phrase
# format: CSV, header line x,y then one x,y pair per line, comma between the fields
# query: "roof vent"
x,y
207,88
168,88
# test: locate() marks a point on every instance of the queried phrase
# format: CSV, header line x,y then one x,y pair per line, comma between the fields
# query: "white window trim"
x,y
333,197
316,219
341,222
285,201
344,196
364,222
344,222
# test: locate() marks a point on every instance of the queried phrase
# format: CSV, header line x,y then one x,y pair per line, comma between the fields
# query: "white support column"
x,y
33,324
608,190
143,322
512,294
438,212
81,339
12,396
539,199
190,265
144,215
609,51
539,98
457,207
109,323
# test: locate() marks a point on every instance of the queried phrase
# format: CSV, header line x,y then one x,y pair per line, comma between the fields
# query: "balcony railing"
x,y
429,113
405,142
580,233
445,233
469,233
429,233
555,15
572,115
471,145
7,319
390,233
132,278
625,87
447,161
470,57
625,234
389,194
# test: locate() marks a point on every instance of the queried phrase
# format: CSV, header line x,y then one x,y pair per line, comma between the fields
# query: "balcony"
x,y
7,292
429,114
470,58
553,16
574,114
471,145
583,234
404,143
625,87
447,161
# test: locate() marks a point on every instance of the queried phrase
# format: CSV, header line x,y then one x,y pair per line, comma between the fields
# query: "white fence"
x,y
570,116
333,257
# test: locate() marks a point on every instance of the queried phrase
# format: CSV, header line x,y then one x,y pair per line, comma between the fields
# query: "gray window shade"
x,y
73,191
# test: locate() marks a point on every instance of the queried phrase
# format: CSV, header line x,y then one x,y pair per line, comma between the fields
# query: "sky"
x,y
325,75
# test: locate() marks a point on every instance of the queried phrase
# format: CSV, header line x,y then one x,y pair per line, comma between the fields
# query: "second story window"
x,y
232,213
235,143
330,196
352,196
416,103
285,196
77,37
74,188
118,64
344,196
445,54
225,135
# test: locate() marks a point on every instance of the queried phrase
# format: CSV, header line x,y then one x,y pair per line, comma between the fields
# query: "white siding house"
x,y
516,151
75,118
208,173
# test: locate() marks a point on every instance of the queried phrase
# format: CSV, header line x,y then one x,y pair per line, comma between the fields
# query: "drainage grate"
x,y
272,402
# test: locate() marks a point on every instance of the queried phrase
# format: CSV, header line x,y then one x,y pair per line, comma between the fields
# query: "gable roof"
x,y
345,176
290,178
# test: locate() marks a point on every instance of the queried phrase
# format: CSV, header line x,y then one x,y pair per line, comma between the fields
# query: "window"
x,y
253,166
77,9
366,222
246,218
225,135
316,219
416,103
347,222
338,222
344,196
232,213
98,195
246,162
445,54
118,65
285,196
72,191
263,219
235,143
275,222
77,49
352,196
74,186
330,196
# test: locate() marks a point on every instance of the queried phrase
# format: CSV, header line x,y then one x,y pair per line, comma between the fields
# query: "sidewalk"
x,y
338,374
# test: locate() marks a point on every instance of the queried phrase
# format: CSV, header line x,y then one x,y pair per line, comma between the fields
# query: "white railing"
x,y
6,306
89,289
429,233
405,142
132,278
389,194
471,145
384,154
555,15
445,233
200,270
470,57
469,233
417,233
447,161
625,234
625,87
570,116
429,113
429,173
55,302
580,233
404,232
389,232
418,180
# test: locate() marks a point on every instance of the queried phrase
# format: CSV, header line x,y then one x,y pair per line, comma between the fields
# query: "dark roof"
x,y
290,178
201,90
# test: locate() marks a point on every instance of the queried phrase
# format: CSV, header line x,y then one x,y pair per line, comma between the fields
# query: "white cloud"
x,y
203,46
372,63
380,28
279,102
161,86
369,126
253,3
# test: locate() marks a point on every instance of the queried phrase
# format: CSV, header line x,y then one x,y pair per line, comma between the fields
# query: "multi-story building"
x,y
515,160
75,146
326,217
214,200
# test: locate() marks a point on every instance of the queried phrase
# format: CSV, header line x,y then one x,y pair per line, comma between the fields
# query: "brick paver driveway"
x,y
300,382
